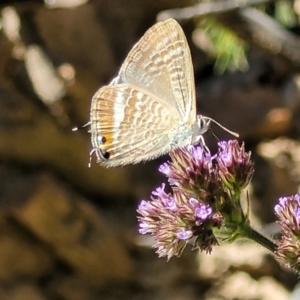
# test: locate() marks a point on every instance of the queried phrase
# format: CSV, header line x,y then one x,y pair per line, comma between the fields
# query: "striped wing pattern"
x,y
161,63
149,109
130,125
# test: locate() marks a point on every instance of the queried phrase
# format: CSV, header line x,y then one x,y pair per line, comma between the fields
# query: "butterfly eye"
x,y
203,123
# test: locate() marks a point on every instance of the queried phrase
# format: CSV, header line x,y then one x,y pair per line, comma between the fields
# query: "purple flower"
x,y
165,169
201,157
170,203
146,207
203,211
191,168
205,197
144,228
184,234
160,192
235,165
174,219
165,198
297,213
288,212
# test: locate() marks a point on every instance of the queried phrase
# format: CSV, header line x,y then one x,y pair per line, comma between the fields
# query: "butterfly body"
x,y
149,109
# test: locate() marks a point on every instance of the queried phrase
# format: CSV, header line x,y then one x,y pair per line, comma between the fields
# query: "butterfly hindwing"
x,y
130,125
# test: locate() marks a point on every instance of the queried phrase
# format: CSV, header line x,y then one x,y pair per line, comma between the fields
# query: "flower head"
x,y
174,228
202,200
235,166
288,212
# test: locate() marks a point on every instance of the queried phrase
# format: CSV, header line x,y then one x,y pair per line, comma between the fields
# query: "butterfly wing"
x,y
161,64
129,125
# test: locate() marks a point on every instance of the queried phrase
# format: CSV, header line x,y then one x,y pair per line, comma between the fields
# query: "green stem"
x,y
259,238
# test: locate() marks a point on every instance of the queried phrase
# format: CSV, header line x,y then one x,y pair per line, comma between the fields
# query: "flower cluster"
x,y
288,248
204,202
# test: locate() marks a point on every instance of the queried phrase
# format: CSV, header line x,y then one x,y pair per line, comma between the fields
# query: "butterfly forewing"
x,y
161,63
130,125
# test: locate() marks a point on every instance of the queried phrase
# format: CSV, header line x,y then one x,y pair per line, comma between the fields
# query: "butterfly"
x,y
149,109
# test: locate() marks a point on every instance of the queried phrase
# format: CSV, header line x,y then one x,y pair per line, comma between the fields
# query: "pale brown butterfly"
x,y
149,109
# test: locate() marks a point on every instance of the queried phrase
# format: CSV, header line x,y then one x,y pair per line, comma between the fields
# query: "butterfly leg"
x,y
202,143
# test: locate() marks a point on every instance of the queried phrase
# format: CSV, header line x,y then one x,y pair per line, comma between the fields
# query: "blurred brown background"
x,y
69,232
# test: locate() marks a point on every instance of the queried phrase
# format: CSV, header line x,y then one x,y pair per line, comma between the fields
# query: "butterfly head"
x,y
203,124
200,127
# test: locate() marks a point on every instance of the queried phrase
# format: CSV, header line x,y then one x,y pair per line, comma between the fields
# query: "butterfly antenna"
x,y
81,127
223,127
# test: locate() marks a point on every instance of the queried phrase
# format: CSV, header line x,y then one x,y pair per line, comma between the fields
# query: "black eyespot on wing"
x,y
103,139
106,155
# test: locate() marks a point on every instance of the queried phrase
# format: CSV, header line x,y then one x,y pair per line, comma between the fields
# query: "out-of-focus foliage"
x,y
225,46
284,13
230,49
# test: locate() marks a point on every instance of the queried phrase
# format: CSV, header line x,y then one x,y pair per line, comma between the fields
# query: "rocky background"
x,y
69,232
